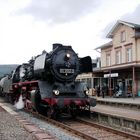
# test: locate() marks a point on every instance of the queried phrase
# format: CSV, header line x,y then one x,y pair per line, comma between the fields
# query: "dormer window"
x,y
123,36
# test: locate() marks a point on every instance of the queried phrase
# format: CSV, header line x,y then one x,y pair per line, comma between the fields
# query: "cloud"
x,y
59,11
133,17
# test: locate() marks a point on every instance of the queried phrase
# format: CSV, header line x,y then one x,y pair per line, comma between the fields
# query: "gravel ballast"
x,y
10,128
48,128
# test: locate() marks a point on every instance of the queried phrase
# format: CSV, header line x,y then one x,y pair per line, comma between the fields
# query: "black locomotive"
x,y
47,83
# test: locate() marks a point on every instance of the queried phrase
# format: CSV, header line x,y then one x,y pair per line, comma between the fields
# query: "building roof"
x,y
132,25
109,44
110,34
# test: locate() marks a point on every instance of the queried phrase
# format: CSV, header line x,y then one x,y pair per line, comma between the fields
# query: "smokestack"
x,y
55,45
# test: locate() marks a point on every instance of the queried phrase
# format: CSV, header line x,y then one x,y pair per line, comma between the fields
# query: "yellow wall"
x,y
118,45
138,49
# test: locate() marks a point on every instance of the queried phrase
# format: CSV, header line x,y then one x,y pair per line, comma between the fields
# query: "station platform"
x,y
130,100
120,112
126,103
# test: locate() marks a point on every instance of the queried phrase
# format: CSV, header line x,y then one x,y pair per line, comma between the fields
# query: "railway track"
x,y
88,130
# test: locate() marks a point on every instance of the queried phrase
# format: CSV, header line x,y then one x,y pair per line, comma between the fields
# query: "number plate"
x,y
66,70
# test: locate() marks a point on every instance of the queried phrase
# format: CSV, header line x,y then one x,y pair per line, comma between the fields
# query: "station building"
x,y
119,62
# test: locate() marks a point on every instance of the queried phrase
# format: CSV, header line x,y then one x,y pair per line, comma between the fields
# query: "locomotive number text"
x,y
66,70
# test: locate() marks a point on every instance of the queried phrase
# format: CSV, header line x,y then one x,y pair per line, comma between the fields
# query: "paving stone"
x,y
43,136
32,128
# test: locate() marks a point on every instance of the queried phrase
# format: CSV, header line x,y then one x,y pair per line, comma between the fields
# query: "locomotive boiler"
x,y
47,83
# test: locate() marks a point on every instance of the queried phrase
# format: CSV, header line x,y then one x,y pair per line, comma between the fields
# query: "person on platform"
x,y
98,90
103,91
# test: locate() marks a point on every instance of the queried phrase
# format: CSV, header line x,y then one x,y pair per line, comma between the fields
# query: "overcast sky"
x,y
27,27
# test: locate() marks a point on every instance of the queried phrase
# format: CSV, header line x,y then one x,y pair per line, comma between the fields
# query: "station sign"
x,y
111,75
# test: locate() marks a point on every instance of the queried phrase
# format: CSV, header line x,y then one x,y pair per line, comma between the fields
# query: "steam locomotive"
x,y
47,83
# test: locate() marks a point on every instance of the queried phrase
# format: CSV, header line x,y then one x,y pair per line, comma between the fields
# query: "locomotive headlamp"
x,y
87,92
56,92
68,55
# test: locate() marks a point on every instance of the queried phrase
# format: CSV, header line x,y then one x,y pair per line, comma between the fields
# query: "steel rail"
x,y
62,125
81,134
110,129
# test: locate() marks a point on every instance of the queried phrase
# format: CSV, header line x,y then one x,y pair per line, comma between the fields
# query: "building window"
x,y
108,60
98,62
128,54
123,36
118,57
